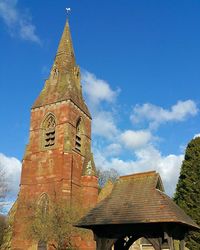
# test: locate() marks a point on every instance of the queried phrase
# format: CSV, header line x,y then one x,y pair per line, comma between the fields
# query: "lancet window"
x,y
49,131
43,204
78,136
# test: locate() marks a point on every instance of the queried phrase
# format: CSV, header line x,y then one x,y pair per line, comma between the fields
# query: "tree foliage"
x,y
3,192
187,194
3,189
8,230
55,225
2,228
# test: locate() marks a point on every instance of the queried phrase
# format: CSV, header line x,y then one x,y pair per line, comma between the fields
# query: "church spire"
x,y
64,79
65,54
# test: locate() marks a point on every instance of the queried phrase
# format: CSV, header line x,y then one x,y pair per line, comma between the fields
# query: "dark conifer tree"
x,y
187,194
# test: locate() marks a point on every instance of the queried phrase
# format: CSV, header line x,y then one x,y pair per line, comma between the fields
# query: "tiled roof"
x,y
137,198
105,191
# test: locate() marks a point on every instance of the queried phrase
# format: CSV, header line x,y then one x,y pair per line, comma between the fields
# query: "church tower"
x,y
58,157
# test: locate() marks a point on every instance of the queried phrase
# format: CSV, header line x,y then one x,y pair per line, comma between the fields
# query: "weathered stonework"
x,y
58,158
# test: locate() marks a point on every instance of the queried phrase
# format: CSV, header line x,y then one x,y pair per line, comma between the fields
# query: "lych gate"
x,y
138,207
123,236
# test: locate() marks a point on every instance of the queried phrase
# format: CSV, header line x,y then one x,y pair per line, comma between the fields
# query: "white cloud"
x,y
104,125
139,142
157,115
136,139
12,168
18,23
113,149
196,135
97,90
147,159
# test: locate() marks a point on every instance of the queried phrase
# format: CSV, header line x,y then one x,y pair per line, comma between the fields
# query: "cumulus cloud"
x,y
18,23
113,149
97,93
147,159
113,141
97,90
157,115
104,125
196,135
12,168
136,139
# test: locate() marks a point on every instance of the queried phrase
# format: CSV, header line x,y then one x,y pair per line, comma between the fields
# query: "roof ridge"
x,y
137,175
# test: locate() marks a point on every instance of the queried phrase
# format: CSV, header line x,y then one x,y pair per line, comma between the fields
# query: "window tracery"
x,y
49,131
78,136
43,204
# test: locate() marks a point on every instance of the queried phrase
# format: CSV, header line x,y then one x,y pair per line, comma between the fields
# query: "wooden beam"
x,y
155,243
125,243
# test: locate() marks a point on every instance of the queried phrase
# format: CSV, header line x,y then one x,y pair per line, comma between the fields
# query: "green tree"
x,y
187,194
2,227
3,192
53,224
3,189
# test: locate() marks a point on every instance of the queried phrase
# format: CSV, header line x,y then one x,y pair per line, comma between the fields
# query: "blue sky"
x,y
140,64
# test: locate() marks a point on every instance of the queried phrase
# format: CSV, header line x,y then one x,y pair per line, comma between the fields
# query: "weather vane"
x,y
68,10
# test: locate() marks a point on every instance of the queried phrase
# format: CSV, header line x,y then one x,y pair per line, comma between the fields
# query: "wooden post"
x,y
182,245
103,243
169,241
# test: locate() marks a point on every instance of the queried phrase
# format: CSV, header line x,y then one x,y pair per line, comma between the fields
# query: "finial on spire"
x,y
68,11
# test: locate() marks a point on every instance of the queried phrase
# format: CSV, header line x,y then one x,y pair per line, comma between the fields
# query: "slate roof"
x,y
137,198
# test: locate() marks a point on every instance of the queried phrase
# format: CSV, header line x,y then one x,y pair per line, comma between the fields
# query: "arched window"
x,y
78,135
49,126
43,204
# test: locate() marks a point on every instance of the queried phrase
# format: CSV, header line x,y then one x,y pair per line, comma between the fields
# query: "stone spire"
x,y
65,58
64,79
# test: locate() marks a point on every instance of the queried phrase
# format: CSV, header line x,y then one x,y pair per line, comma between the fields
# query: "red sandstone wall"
x,y
55,170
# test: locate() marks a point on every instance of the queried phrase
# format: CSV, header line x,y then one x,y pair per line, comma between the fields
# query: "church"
x,y
58,165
